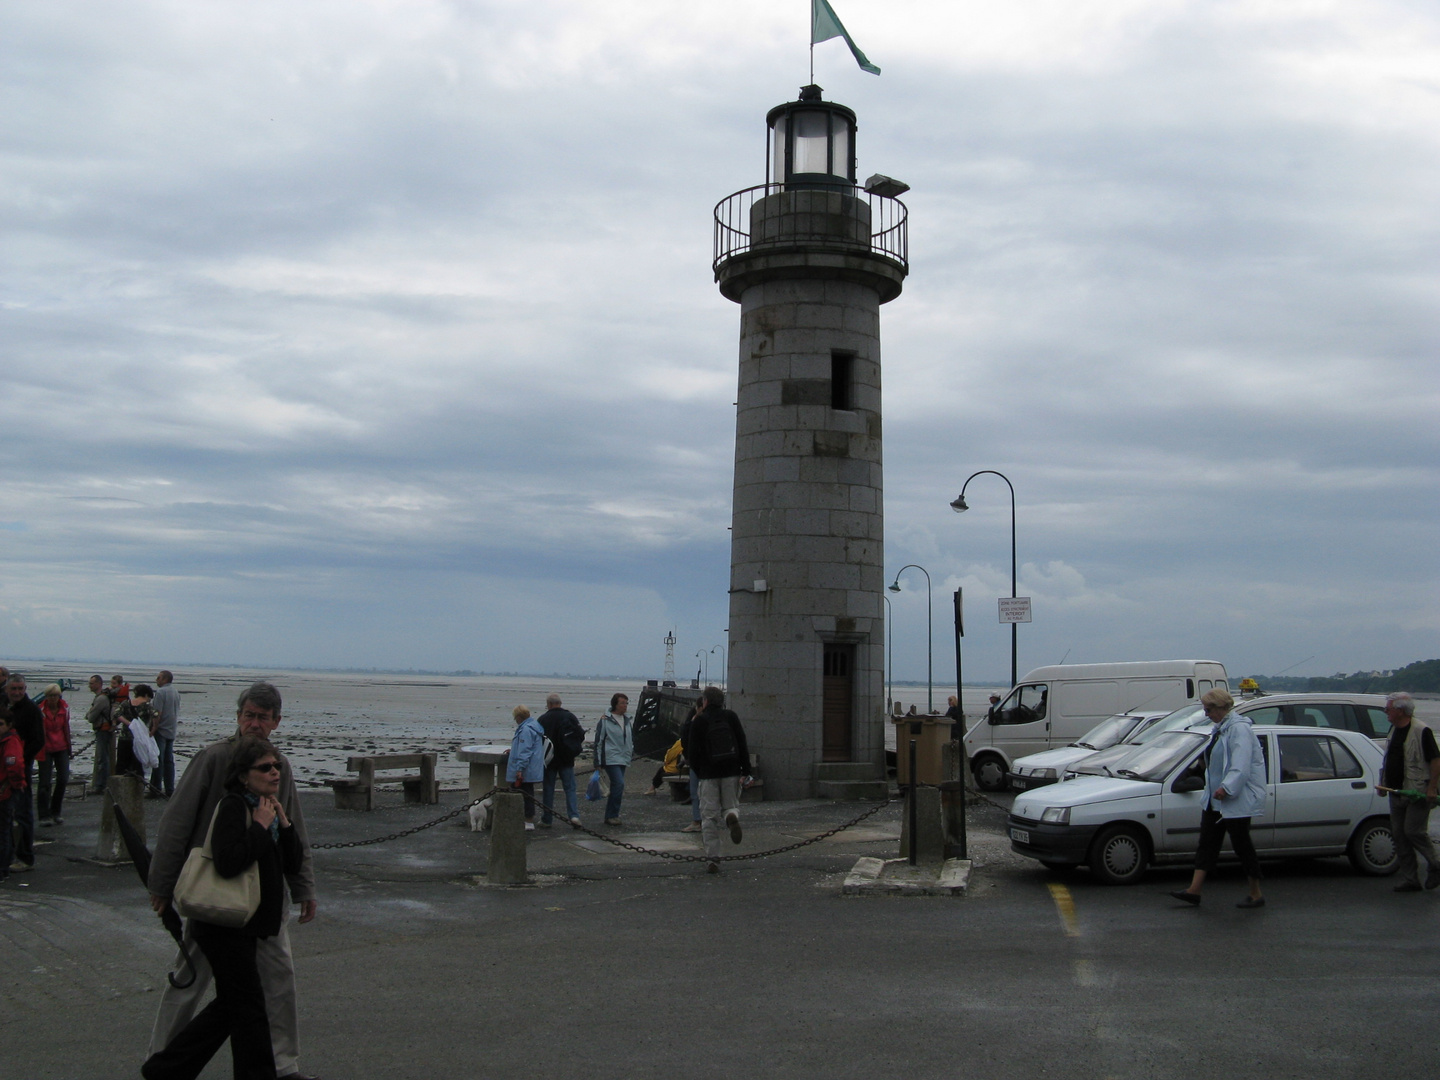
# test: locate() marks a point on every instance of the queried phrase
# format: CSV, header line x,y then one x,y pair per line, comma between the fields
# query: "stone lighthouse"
x,y
810,256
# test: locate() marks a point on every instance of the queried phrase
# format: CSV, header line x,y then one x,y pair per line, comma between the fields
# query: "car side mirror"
x,y
1189,782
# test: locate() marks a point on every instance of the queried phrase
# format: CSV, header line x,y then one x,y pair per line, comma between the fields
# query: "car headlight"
x,y
1056,815
1044,774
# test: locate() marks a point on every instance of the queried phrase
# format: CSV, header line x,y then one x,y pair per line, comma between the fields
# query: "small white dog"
x,y
480,816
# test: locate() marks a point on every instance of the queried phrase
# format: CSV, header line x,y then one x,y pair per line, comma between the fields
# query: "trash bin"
x,y
930,734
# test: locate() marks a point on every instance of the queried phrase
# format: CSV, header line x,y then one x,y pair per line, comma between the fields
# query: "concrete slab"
x,y
653,841
896,877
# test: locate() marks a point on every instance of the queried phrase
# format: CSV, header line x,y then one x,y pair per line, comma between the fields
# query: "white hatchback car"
x,y
1320,800
1048,766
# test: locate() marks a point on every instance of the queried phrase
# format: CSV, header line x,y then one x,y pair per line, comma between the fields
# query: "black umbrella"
x,y
169,918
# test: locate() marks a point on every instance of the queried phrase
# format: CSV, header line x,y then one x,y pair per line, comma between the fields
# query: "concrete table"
x,y
487,763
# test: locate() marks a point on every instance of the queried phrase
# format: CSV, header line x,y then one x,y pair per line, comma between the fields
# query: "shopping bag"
x,y
592,789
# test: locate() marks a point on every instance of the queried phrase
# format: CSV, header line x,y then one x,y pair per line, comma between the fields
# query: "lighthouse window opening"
x,y
842,380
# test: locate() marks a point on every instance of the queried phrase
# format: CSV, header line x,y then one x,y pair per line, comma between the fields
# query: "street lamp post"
x,y
723,669
705,662
929,634
960,507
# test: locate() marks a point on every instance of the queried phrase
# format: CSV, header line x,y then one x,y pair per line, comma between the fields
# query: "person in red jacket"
x,y
12,788
55,765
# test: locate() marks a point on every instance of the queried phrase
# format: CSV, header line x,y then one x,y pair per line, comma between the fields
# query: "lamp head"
x,y
959,505
895,585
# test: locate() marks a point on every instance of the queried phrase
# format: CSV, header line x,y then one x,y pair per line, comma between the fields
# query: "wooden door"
x,y
838,704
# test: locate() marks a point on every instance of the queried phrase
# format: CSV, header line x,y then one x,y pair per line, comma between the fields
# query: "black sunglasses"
x,y
269,766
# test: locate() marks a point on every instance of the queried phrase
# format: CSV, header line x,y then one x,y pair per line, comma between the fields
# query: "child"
x,y
12,789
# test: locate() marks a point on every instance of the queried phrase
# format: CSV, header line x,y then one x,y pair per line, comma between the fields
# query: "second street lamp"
x,y
959,506
929,633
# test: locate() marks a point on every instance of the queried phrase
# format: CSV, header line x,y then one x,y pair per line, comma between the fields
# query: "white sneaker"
x,y
694,826
575,821
529,826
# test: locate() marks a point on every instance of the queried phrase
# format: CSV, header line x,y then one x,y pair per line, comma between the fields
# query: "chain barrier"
x,y
673,856
404,832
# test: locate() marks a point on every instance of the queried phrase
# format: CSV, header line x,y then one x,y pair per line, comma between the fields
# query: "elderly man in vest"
x,y
1412,763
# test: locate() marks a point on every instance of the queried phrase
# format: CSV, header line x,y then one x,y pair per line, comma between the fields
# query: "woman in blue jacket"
x,y
526,766
1234,793
613,749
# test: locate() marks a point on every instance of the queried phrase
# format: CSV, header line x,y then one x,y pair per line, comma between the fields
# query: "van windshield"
x,y
1157,759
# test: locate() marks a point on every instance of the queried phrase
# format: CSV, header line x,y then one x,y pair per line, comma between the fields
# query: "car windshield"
x,y
1180,718
1108,732
1156,759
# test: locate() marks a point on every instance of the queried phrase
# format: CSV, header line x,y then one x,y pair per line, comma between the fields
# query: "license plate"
x,y
1020,836
1019,783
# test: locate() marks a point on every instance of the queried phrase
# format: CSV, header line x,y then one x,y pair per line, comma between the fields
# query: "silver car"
x,y
1320,800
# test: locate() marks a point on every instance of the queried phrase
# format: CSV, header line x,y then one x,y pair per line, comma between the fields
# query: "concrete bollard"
x,y
129,793
929,828
507,839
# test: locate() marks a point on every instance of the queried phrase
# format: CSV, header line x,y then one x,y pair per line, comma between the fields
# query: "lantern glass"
x,y
811,143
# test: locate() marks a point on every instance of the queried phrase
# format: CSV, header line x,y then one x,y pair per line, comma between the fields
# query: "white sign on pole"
x,y
1014,609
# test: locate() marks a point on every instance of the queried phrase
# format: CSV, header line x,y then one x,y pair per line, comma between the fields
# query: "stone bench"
x,y
358,792
680,785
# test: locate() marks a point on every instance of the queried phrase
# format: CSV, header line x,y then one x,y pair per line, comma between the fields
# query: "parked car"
x,y
1320,801
1049,766
1364,713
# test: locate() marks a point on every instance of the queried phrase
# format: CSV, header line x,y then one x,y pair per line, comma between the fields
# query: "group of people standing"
x,y
111,716
712,741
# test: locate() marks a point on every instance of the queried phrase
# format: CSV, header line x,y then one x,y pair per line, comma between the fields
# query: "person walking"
x,y
250,826
55,765
613,751
183,826
719,756
12,787
1412,763
525,766
99,717
165,724
568,738
29,724
1234,793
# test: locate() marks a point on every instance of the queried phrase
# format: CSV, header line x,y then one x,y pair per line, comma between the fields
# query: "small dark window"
x,y
842,375
1189,688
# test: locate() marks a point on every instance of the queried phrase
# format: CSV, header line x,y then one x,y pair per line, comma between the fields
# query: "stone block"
x,y
819,316
807,522
813,417
929,838
780,418
848,524
863,500
799,443
821,548
782,468
128,793
820,470
506,864
833,576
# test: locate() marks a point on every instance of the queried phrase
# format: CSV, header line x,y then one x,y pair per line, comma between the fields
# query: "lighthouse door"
x,y
838,702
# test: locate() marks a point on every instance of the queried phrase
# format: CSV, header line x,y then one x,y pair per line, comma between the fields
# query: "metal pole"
x,y
1014,627
889,663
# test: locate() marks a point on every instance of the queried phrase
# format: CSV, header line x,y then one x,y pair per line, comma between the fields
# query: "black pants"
x,y
54,775
1212,831
237,1013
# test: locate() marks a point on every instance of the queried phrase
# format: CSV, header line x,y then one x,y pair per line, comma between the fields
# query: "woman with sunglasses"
x,y
250,827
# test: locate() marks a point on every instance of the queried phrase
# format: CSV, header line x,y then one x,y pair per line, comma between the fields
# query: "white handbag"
x,y
201,893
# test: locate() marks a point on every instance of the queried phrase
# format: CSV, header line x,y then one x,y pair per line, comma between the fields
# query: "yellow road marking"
x,y
1065,904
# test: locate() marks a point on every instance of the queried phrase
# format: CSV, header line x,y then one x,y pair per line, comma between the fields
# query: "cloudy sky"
x,y
363,333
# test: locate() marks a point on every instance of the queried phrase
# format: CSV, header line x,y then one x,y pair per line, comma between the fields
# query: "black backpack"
x,y
721,747
572,740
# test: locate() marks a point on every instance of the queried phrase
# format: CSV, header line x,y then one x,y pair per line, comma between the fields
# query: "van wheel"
x,y
1372,849
989,772
1119,855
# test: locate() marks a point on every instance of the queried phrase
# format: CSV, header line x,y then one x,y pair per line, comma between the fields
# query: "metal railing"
x,y
889,228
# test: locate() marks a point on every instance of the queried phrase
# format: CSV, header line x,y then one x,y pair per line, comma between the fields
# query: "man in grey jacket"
x,y
183,826
166,725
99,719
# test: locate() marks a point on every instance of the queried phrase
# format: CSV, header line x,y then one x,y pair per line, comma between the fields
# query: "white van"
x,y
1055,705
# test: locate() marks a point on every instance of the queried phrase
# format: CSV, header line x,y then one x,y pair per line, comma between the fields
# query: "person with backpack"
x,y
613,751
719,756
568,738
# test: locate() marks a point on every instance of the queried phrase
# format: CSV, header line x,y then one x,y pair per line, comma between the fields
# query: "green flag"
x,y
825,24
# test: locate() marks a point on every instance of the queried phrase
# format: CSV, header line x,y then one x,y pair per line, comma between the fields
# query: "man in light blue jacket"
x,y
526,765
1234,793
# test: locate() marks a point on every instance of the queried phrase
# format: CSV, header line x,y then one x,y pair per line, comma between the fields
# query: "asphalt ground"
x,y
619,965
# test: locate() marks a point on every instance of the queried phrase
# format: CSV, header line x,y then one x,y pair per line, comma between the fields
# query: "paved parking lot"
x,y
626,966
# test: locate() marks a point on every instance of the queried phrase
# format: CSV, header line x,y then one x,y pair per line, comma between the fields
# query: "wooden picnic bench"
x,y
358,792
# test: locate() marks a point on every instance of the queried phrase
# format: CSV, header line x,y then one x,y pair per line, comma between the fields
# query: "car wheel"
x,y
1372,849
989,773
1119,855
